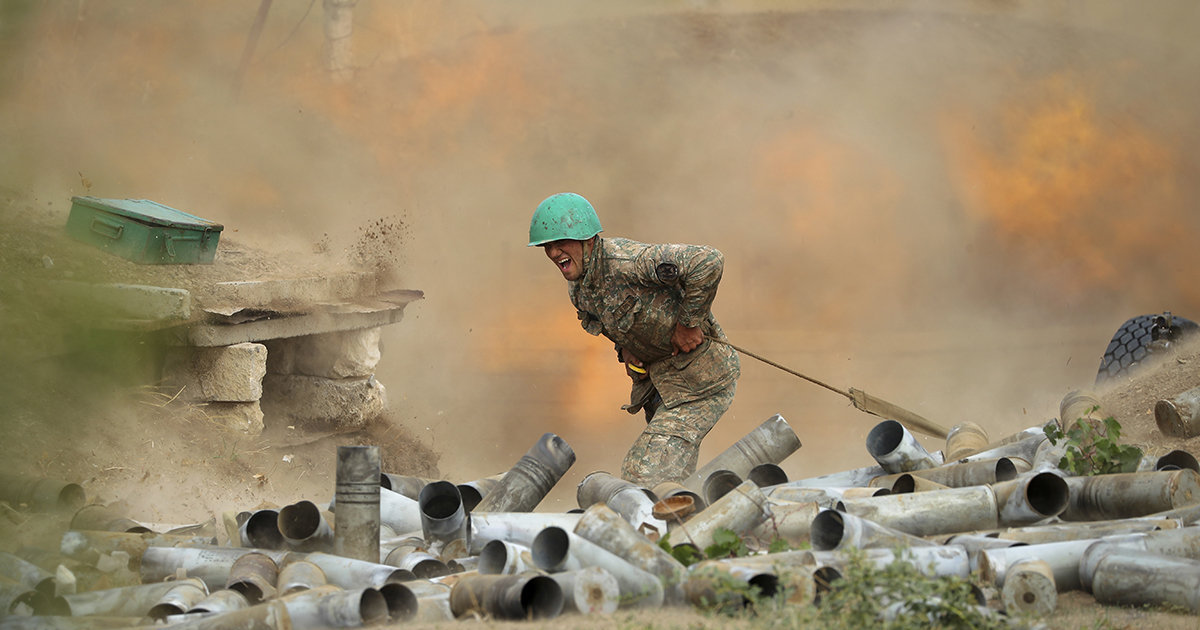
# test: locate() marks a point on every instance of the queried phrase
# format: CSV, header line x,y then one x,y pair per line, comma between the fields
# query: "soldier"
x,y
654,303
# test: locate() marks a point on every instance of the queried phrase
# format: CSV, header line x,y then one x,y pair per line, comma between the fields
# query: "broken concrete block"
x,y
226,374
243,417
346,354
313,402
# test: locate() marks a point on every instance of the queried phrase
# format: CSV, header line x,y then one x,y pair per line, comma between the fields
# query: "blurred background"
x,y
950,205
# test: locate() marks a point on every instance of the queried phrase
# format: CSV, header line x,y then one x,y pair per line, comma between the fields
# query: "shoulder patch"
x,y
667,273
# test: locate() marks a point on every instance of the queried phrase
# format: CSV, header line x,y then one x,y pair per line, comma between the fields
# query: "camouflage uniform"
x,y
634,294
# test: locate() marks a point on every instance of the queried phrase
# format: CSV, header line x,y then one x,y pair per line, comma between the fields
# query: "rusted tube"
x,y
41,494
741,510
15,597
1076,405
253,575
422,564
767,475
769,443
221,601
1058,532
896,450
786,574
708,584
633,502
304,528
404,484
400,600
965,438
210,564
975,543
510,597
1138,579
961,475
788,521
589,591
50,560
555,549
1183,543
443,517
1173,460
351,573
1031,498
1126,495
517,527
855,478
392,550
524,486
503,557
26,573
434,607
126,601
718,484
298,575
608,530
908,483
1024,448
358,497
261,530
88,546
350,608
103,518
1063,558
178,600
1029,588
551,551
1049,456
833,530
472,492
1179,416
825,497
935,561
950,511
399,513
668,489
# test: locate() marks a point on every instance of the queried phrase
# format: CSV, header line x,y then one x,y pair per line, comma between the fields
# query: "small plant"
x,y
1092,447
726,544
687,555
899,595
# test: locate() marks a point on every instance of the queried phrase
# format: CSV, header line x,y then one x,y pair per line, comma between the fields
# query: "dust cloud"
x,y
951,206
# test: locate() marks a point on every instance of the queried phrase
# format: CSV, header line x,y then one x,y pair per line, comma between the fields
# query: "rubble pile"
x,y
389,548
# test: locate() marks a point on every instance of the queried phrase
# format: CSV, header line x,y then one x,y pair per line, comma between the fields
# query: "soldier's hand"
x,y
633,366
685,339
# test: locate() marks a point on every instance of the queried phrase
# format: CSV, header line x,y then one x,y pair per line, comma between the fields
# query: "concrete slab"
x,y
230,297
380,310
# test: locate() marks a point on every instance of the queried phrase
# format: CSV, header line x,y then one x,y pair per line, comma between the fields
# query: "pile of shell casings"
x,y
391,548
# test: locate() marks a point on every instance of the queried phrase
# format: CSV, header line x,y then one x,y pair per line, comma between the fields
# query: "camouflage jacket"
x,y
634,294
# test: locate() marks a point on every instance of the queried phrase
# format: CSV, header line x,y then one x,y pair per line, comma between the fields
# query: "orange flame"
x,y
1065,185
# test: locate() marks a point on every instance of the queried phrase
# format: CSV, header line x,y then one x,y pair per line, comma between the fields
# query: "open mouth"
x,y
563,264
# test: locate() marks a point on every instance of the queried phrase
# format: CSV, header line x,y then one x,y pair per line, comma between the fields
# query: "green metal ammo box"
x,y
143,231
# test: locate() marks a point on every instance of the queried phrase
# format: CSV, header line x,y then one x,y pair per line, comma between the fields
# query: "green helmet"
x,y
563,215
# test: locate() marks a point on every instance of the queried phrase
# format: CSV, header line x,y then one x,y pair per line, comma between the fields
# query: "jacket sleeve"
x,y
694,269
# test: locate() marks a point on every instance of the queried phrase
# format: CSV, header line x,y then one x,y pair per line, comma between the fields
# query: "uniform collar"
x,y
591,277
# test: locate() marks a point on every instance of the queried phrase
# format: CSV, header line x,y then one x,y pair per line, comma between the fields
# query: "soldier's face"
x,y
567,255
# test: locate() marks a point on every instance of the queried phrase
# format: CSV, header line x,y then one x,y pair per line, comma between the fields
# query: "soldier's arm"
x,y
694,269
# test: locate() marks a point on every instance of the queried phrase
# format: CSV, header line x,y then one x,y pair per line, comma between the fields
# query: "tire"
x,y
1134,341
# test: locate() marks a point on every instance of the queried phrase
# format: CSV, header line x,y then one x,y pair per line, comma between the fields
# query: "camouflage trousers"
x,y
668,448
